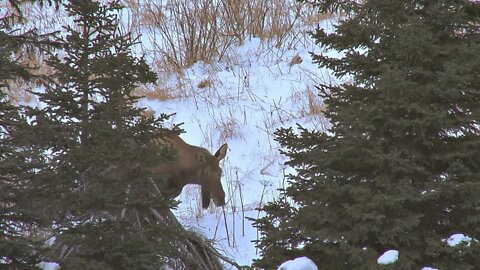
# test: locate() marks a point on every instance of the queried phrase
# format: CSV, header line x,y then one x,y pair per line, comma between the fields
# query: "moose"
x,y
194,165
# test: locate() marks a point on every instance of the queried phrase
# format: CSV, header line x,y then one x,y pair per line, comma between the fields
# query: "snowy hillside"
x,y
243,106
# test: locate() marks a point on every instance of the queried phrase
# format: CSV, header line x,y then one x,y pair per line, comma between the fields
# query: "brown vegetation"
x,y
183,32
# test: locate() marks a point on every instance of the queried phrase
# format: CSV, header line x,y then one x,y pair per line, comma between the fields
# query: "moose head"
x,y
194,165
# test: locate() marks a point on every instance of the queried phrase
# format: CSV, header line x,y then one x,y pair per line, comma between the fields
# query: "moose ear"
x,y
221,152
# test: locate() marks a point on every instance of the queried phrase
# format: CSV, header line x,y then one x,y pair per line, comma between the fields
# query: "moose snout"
x,y
219,197
219,201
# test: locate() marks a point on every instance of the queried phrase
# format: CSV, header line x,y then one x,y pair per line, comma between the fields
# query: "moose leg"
x,y
205,198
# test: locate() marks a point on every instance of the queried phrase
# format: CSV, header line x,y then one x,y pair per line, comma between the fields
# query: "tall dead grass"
x,y
183,32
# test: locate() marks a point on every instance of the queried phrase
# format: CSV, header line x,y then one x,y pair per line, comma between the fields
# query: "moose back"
x,y
194,165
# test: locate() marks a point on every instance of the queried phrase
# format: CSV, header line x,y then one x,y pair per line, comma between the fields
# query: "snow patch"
x,y
457,239
48,266
388,257
302,263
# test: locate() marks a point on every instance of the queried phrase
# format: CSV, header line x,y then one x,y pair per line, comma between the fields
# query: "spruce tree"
x,y
74,171
99,148
22,194
399,168
16,215
110,211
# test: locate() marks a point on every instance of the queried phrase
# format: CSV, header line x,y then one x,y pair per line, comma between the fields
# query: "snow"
x,y
389,257
232,233
48,266
302,263
457,239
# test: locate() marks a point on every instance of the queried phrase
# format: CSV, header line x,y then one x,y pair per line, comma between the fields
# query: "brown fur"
x,y
194,165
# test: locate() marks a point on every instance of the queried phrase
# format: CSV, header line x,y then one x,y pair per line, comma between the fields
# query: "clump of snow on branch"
x,y
388,257
457,239
48,266
302,263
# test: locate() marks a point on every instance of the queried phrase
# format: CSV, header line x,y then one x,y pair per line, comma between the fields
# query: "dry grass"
x,y
160,93
295,60
311,17
183,32
205,83
310,103
227,128
315,104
